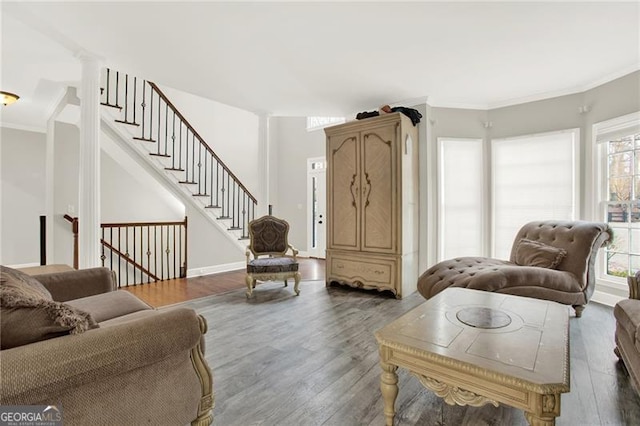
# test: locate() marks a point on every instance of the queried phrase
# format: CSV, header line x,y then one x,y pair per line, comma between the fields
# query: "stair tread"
x,y
160,155
111,105
143,139
171,169
211,206
188,182
130,123
200,195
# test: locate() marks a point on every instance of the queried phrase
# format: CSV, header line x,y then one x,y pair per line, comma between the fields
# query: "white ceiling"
x,y
316,58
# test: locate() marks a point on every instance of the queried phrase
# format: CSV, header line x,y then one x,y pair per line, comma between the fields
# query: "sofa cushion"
x,y
535,253
28,283
28,316
106,306
627,314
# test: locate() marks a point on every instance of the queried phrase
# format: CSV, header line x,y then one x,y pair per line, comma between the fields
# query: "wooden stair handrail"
x,y
202,141
128,260
74,222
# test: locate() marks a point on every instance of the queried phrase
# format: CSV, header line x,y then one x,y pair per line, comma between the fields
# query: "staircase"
x,y
139,116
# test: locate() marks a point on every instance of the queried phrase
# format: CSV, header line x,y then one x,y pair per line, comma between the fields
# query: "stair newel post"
x,y
186,153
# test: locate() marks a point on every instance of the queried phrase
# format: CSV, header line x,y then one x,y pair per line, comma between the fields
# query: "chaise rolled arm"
x,y
41,371
571,280
76,284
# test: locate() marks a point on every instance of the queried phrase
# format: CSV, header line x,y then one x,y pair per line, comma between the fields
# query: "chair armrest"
x,y
294,251
71,285
248,254
42,370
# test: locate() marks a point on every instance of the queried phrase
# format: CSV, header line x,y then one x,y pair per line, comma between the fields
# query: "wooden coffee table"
x,y
474,348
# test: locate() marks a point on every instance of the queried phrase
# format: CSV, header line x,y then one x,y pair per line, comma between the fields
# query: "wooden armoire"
x,y
372,204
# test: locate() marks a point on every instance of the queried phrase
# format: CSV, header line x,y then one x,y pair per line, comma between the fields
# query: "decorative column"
x,y
264,169
89,184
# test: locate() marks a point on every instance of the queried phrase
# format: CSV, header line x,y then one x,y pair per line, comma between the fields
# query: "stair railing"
x,y
144,105
141,252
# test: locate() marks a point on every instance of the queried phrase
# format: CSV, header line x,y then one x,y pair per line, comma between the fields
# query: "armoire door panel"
x,y
344,192
378,195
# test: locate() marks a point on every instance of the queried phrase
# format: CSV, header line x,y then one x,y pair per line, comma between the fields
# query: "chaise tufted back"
x,y
580,239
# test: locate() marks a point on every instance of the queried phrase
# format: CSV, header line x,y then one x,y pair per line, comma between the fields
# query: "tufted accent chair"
x,y
268,237
570,282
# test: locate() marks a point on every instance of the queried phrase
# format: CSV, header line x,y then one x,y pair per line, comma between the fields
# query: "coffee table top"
x,y
489,334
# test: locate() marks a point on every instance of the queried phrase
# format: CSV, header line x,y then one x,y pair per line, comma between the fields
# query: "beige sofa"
x,y
551,260
627,314
105,356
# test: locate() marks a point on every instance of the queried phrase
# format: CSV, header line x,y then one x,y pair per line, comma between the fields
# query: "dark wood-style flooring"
x,y
180,290
283,360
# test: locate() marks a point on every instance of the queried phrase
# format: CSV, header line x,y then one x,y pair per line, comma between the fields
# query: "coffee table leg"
x,y
389,388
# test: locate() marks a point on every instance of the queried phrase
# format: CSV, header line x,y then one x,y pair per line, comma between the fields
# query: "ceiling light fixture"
x,y
8,98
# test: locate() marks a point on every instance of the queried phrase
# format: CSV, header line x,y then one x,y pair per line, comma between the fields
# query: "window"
x,y
619,145
535,177
317,123
460,181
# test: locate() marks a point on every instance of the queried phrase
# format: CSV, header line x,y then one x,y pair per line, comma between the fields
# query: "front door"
x,y
316,209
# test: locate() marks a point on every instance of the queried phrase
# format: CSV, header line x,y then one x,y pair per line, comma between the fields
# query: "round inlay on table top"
x,y
483,317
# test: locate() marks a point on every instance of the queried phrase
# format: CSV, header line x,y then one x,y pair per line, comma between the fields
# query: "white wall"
x,y
22,195
291,146
231,132
66,158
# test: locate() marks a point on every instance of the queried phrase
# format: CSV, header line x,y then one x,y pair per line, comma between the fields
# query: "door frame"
x,y
311,251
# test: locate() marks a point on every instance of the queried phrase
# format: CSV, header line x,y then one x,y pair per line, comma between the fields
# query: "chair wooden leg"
x,y
285,283
250,284
296,277
578,309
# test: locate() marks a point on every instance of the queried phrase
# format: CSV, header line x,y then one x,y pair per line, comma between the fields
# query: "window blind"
x,y
461,198
534,178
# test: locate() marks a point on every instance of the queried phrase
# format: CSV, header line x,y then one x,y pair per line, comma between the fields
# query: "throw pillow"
x,y
27,281
26,316
535,253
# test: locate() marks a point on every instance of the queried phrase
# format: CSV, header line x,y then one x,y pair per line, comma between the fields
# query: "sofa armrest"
x,y
71,285
40,371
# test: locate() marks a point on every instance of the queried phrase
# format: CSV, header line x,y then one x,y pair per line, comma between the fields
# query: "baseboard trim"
x,y
605,298
215,269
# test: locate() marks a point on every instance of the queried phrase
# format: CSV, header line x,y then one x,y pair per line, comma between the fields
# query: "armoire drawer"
x,y
362,270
